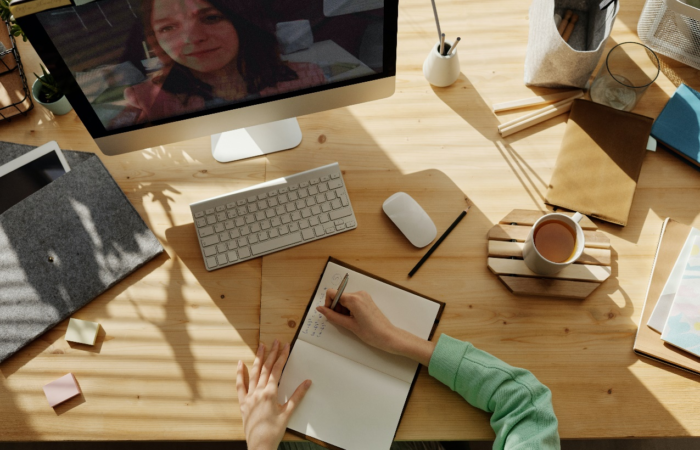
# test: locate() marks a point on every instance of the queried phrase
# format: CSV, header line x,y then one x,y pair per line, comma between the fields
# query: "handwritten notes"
x,y
315,322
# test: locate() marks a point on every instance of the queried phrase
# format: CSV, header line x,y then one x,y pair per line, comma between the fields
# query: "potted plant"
x,y
48,94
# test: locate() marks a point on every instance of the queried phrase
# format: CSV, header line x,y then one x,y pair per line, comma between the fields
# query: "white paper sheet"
x,y
403,309
348,405
658,317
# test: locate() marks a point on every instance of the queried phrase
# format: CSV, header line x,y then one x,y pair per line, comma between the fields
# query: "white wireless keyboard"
x,y
272,216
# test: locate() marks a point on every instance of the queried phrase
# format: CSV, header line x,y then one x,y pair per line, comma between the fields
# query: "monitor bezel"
x,y
53,61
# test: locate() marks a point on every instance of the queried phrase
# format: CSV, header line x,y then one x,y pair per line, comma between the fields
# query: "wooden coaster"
x,y
578,280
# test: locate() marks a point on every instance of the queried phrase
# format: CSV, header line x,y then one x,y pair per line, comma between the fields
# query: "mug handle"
x,y
577,217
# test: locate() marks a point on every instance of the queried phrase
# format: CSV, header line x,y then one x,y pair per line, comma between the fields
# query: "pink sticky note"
x,y
60,390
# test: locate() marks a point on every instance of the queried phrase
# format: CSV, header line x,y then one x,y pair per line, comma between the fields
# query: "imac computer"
x,y
144,73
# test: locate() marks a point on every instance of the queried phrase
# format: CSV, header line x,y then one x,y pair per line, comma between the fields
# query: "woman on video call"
x,y
211,56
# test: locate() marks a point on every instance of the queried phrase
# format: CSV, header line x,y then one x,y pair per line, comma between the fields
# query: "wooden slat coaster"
x,y
577,281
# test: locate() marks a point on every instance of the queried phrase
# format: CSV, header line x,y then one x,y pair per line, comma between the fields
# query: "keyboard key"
x,y
310,201
231,256
338,213
234,233
249,219
283,190
335,175
320,198
330,195
262,196
290,207
334,184
323,218
272,193
303,193
283,229
221,248
313,190
252,199
221,259
265,224
292,227
210,211
242,211
242,242
329,227
283,198
286,218
296,215
259,215
255,228
231,213
229,224
293,187
307,234
201,222
344,200
210,251
336,204
219,227
340,227
305,213
273,233
270,213
252,207
199,214
280,210
303,224
220,208
223,237
206,231
253,238
221,216
211,220
272,202
339,222
301,204
244,253
323,187
325,178
293,196
313,221
210,240
315,210
314,181
231,205
262,236
276,222
262,205
241,202
319,230
240,221
304,184
232,244
245,230
326,207
211,262
349,223
276,243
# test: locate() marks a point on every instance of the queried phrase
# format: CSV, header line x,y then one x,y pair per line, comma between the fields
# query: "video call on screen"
x,y
23,182
138,61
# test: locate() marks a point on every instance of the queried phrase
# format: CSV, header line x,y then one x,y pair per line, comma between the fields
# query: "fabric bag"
x,y
551,61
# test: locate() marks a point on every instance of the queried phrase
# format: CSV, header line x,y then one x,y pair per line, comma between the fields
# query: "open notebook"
x,y
358,392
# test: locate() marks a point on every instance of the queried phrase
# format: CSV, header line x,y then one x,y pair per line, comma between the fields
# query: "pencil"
x,y
453,47
439,241
437,21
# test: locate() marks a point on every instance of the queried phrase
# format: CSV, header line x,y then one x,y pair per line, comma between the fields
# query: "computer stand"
x,y
255,141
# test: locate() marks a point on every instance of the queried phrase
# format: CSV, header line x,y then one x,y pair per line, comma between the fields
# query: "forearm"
x,y
411,346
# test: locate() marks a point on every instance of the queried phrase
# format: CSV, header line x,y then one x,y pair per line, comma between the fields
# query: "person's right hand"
x,y
361,315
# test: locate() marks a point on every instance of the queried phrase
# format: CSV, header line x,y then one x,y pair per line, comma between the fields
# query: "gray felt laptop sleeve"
x,y
63,246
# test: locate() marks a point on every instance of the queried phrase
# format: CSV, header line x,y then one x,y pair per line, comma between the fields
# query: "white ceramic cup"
x,y
541,265
441,70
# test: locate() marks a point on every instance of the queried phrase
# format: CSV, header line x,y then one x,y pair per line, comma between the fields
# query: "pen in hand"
x,y
341,288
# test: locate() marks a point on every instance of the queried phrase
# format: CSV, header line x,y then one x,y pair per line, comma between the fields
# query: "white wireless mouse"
x,y
410,218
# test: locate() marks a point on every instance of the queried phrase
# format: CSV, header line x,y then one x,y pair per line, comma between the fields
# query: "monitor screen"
x,y
146,62
24,181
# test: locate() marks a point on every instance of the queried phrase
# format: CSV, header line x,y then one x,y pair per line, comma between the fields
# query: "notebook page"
x,y
405,310
658,317
348,405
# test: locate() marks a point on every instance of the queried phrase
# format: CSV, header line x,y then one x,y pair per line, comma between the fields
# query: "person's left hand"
x,y
264,420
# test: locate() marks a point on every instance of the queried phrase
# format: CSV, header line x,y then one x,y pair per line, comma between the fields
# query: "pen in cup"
x,y
341,288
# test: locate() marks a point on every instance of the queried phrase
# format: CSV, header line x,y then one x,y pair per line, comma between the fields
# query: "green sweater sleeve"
x,y
523,417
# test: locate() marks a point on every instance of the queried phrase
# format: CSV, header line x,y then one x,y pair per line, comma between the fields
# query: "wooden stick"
x,y
510,123
561,109
534,101
564,22
570,28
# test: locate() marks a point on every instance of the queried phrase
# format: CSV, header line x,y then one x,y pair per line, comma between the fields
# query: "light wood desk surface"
x,y
165,366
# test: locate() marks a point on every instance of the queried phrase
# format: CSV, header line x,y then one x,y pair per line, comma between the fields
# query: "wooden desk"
x,y
174,332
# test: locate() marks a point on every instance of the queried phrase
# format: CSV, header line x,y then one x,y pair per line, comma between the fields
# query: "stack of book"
x,y
669,331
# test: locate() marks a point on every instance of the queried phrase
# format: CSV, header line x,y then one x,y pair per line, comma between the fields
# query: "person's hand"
x,y
358,313
264,420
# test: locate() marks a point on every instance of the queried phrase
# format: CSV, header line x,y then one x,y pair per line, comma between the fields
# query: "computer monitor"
x,y
143,73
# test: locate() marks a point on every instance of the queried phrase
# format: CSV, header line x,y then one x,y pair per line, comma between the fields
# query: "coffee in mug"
x,y
555,241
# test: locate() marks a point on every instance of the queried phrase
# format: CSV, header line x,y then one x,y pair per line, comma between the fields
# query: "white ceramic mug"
x,y
541,265
441,70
